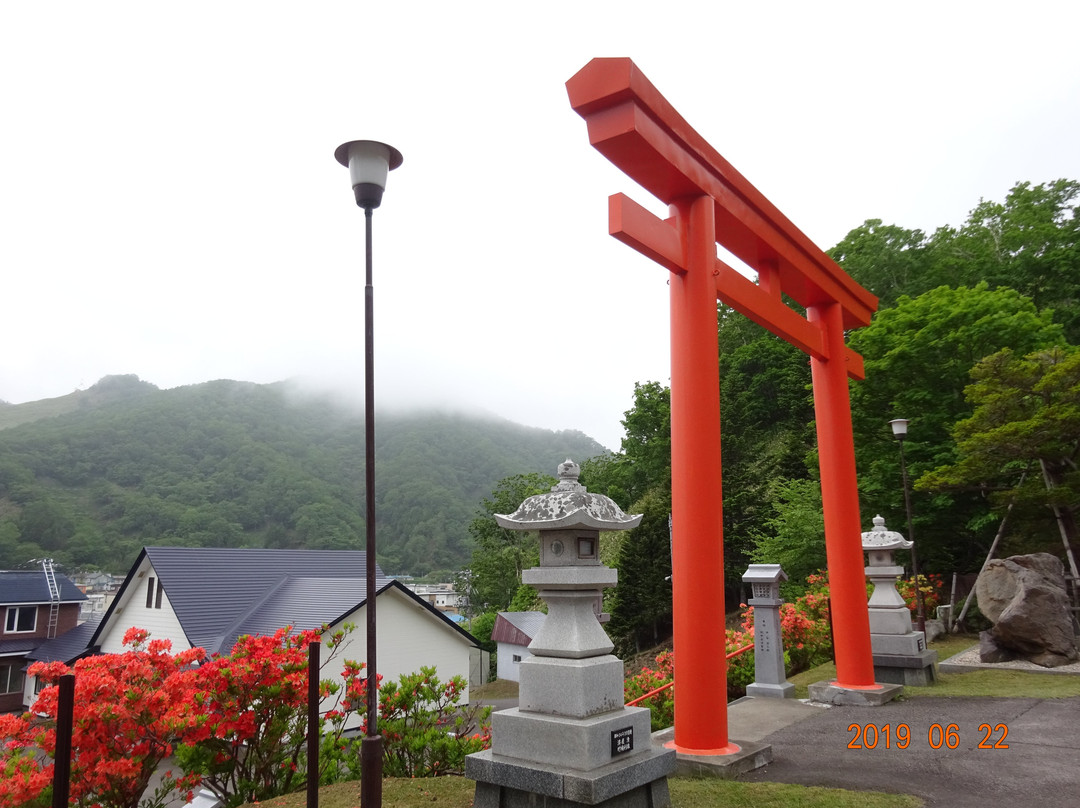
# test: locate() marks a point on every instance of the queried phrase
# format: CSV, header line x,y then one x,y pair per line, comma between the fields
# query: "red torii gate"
x,y
638,130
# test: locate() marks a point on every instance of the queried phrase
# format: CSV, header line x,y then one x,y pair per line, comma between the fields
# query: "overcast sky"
x,y
170,205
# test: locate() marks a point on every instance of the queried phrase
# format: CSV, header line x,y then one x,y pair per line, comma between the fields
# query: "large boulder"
x,y
1025,598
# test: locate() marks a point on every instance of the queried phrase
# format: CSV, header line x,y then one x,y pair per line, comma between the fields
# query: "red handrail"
x,y
662,688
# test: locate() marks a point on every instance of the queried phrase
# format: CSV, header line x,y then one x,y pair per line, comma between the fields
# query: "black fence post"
x,y
313,737
65,709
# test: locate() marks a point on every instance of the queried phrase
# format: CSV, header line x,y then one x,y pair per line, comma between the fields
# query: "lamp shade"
x,y
368,162
899,427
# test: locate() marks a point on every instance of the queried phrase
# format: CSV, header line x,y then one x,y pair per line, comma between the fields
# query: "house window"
x,y
517,657
11,677
154,590
21,619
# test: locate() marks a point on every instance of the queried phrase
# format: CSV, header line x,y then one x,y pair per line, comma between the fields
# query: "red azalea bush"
x,y
662,704
129,709
804,625
246,737
237,724
807,635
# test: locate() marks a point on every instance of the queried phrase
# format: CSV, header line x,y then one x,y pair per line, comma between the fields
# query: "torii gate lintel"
x,y
660,240
638,130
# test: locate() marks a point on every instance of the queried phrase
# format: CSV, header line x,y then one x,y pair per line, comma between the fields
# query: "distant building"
x,y
441,596
513,631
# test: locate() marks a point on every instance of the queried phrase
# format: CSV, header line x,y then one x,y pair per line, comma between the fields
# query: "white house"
x,y
513,631
209,597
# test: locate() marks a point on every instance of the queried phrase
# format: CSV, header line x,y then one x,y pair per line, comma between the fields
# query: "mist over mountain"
x,y
91,477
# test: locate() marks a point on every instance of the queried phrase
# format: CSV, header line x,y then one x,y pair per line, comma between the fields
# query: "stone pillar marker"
x,y
900,654
571,740
770,678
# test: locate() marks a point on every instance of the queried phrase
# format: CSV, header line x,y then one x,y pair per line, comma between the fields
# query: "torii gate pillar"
x,y
638,130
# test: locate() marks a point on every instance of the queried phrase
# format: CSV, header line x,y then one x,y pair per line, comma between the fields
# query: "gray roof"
x,y
68,646
302,603
30,586
18,647
219,594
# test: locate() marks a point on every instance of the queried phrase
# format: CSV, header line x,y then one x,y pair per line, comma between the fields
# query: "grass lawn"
x,y
457,792
499,689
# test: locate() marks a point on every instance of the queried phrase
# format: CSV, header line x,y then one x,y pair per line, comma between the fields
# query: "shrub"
x,y
128,708
662,704
932,587
425,732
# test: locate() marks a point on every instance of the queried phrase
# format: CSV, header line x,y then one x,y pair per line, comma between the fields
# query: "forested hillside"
x,y
90,478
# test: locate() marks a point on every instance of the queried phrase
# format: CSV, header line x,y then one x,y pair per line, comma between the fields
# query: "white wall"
x,y
507,668
132,612
409,637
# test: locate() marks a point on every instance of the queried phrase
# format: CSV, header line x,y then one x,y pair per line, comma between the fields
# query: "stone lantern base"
x,y
571,742
634,782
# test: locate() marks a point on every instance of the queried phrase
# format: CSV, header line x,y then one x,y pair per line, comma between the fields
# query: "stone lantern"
x,y
571,738
770,679
900,654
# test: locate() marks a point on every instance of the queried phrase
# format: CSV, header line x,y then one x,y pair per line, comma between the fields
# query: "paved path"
x,y
1040,767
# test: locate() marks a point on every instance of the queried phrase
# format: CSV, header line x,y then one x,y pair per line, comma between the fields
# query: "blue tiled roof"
x,y
68,646
18,647
30,586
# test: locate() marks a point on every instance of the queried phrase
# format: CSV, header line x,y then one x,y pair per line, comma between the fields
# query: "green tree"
x,y
47,523
641,603
1030,242
887,260
499,555
766,416
794,537
645,460
1022,442
918,357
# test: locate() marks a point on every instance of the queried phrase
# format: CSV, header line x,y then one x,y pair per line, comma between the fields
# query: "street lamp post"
x,y
899,428
369,162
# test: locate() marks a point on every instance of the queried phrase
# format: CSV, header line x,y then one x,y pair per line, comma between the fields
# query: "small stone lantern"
x,y
770,679
900,654
571,738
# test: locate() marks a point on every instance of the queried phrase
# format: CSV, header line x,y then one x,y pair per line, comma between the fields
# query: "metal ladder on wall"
x,y
54,596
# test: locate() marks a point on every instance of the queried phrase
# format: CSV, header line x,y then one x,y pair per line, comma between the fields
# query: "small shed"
x,y
513,631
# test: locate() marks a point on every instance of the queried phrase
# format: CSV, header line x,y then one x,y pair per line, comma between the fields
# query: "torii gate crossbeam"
x,y
711,203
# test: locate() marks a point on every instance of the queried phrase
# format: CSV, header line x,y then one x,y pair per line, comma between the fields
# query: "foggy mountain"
x,y
91,477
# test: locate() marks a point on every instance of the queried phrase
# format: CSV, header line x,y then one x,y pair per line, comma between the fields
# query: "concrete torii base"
x,y
832,693
751,755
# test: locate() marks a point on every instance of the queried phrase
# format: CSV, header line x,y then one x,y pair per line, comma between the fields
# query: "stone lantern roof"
x,y
879,538
569,506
